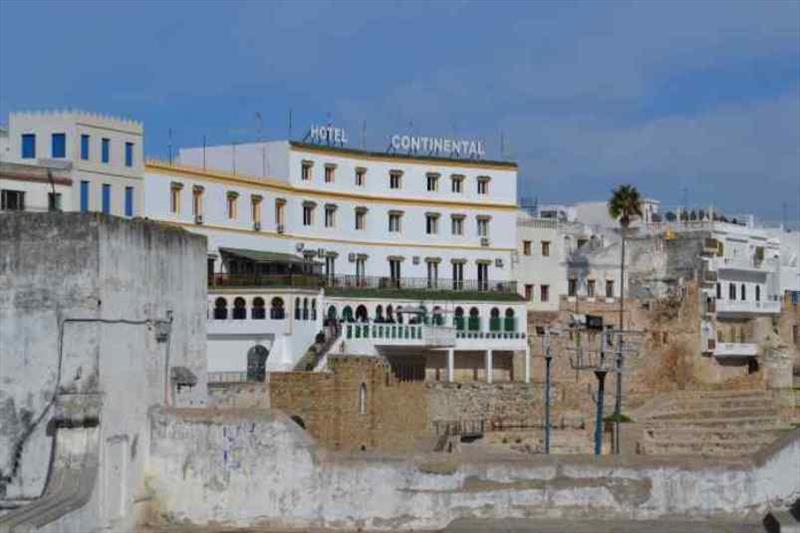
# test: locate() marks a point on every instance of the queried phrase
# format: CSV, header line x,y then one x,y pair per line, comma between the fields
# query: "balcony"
x,y
748,264
747,307
377,286
432,336
735,349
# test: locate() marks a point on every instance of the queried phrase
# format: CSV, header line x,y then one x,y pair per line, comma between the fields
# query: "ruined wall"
x,y
240,469
56,268
328,403
243,395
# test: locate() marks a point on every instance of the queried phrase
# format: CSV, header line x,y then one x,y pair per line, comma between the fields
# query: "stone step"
x,y
764,422
726,403
699,449
755,412
715,434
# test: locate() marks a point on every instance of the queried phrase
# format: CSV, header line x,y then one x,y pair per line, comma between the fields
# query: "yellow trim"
x,y
291,236
272,184
404,159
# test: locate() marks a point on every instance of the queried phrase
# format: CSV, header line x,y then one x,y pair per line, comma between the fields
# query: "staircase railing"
x,y
332,332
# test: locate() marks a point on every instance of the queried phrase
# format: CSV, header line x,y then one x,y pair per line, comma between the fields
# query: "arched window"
x,y
362,399
258,312
422,318
744,292
347,314
474,323
332,312
509,321
379,314
239,309
276,311
389,314
494,319
297,309
458,318
398,313
438,318
313,309
361,314
257,363
305,308
220,309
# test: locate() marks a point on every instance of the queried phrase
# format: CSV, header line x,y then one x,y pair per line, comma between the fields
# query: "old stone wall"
x,y
245,469
358,405
82,298
510,402
242,395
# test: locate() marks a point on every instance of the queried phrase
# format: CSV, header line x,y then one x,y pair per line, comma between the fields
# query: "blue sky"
x,y
697,95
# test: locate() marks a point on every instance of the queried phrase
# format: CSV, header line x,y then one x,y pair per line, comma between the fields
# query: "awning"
x,y
259,256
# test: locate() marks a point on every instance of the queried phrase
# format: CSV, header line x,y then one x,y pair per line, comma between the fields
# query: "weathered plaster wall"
x,y
59,267
245,469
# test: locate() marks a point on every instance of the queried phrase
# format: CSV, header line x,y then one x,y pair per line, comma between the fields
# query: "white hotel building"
x,y
412,256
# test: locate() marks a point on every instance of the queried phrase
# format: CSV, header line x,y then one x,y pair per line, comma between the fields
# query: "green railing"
x,y
474,323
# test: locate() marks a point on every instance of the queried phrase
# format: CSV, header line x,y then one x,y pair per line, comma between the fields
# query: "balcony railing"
x,y
745,307
358,283
736,349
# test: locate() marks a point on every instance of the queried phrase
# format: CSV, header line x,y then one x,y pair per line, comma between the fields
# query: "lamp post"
x,y
600,373
548,358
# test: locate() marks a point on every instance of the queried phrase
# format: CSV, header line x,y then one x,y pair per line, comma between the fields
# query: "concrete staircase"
x,y
718,423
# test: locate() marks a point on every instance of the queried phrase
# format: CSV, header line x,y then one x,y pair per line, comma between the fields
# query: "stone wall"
x,y
392,415
511,402
242,395
243,469
82,298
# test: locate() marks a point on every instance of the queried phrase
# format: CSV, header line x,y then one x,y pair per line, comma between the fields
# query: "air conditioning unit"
x,y
351,257
257,226
198,219
484,241
498,263
299,246
281,229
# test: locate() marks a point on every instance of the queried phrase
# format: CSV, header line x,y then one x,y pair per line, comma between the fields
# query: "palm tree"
x,y
624,205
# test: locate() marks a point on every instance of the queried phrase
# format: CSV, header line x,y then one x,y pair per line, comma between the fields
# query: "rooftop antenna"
x,y
263,147
290,123
502,145
169,146
204,152
364,135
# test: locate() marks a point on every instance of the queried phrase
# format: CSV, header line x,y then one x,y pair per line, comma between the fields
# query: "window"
x,y
394,222
239,309
361,218
330,173
84,196
719,291
458,275
258,311
394,270
433,274
276,311
306,170
58,148
526,247
28,146
330,266
545,248
609,288
744,292
128,201
105,150
590,284
483,226
545,293
433,182
128,154
483,276
175,197
197,201
220,309
106,198
758,293
362,399
529,292
394,179
232,198
361,174
457,183
432,223
483,184
255,208
457,224
54,201
308,213
572,287
330,216
85,147
731,291
361,267
279,203
13,200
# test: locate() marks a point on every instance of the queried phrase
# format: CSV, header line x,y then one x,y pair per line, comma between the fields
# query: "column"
x,y
451,373
527,364
488,366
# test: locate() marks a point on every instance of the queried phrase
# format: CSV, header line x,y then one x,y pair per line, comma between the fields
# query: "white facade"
x,y
32,188
106,156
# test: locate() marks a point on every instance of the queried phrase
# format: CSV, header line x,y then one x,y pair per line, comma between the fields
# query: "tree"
x,y
624,205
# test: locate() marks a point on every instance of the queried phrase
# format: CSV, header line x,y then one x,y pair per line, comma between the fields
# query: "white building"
x,y
101,155
416,250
